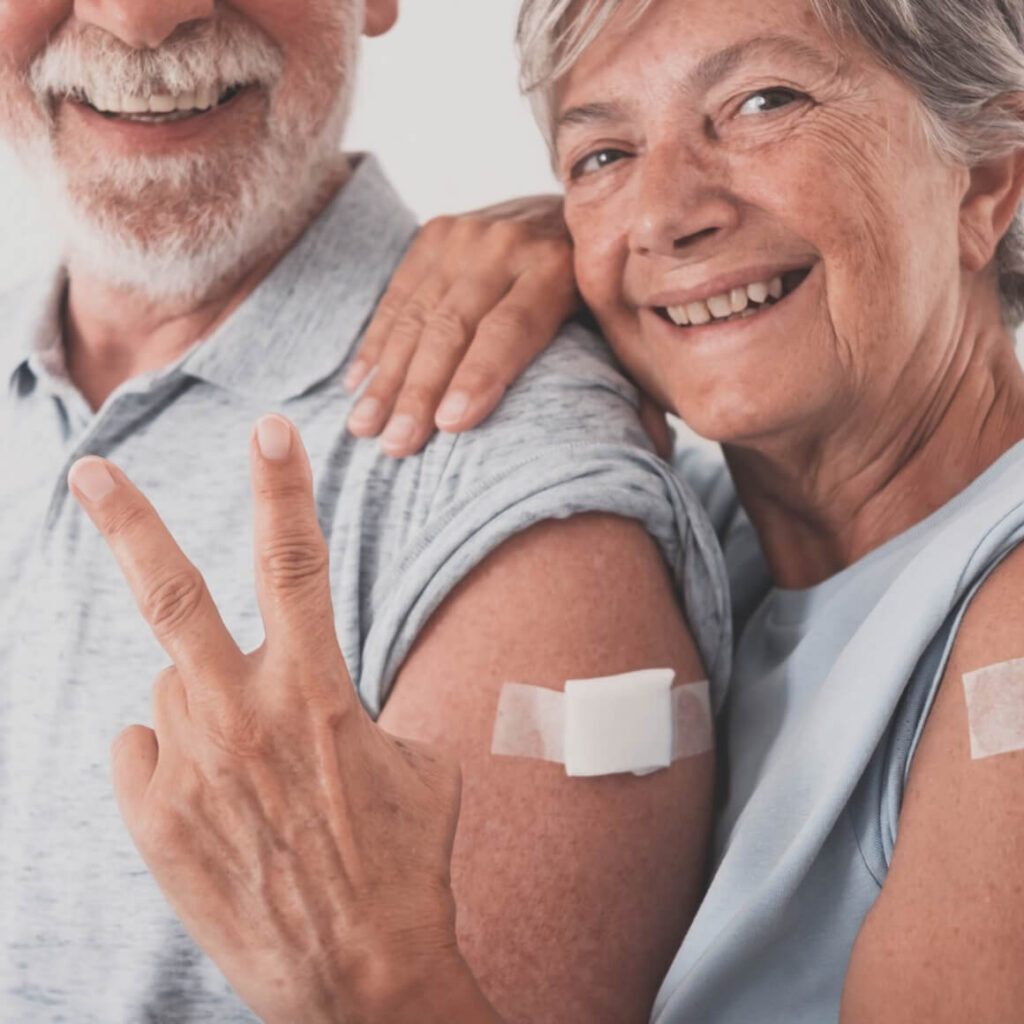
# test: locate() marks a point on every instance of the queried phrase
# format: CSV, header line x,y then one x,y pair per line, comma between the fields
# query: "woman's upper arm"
x,y
945,940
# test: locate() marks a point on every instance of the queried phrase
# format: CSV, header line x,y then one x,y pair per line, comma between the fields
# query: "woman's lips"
x,y
740,302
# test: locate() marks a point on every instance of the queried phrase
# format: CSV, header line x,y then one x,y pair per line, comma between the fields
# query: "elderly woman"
x,y
797,225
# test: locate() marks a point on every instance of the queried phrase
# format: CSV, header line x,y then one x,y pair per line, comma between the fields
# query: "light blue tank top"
x,y
830,691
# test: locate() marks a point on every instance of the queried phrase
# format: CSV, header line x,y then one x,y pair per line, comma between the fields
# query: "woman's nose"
x,y
679,202
142,24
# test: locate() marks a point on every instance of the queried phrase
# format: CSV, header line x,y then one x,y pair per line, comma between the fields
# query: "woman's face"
x,y
711,149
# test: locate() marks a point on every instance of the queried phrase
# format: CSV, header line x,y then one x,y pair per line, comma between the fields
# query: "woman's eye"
x,y
596,161
767,100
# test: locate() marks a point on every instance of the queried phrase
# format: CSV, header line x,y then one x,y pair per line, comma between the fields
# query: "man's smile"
x,y
157,108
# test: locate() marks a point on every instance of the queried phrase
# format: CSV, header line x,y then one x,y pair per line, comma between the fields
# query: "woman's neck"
x,y
821,505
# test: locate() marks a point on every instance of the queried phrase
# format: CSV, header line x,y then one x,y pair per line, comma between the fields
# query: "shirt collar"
x,y
33,326
302,321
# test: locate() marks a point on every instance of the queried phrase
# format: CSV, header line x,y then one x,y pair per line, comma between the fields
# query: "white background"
x,y
438,101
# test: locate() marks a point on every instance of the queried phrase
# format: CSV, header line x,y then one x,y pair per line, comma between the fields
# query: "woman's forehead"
x,y
698,42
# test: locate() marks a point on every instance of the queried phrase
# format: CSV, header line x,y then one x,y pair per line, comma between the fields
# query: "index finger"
x,y
169,590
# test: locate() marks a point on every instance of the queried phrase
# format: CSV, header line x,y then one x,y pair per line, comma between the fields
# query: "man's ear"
x,y
380,16
992,198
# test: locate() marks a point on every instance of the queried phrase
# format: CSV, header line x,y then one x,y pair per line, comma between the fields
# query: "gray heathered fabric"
x,y
86,935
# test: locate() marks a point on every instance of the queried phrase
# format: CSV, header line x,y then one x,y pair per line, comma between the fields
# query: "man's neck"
x,y
113,334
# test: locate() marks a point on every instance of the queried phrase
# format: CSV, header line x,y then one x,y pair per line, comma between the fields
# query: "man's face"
x,y
180,137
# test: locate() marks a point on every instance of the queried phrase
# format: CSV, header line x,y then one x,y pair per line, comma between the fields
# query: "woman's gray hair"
x,y
963,58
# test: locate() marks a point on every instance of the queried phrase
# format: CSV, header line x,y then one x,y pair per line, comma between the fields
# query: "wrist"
x,y
437,990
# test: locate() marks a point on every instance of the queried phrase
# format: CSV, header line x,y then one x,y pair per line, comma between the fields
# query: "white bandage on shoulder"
x,y
627,723
995,709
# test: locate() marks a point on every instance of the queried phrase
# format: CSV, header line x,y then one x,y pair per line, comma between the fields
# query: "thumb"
x,y
134,756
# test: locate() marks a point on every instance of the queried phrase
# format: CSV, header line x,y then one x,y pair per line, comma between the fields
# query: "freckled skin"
x,y
844,180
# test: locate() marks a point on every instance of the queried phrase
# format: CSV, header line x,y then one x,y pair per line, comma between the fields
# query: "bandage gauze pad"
x,y
633,723
618,723
995,709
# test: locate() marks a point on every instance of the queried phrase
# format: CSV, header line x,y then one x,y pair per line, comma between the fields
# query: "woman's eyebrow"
x,y
708,73
588,113
713,68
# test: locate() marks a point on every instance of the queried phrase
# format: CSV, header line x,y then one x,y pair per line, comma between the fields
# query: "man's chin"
x,y
183,230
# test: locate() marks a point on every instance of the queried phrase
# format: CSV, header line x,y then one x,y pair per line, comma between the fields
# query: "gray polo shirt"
x,y
86,934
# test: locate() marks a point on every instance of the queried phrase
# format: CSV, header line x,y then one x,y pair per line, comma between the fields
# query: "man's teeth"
x,y
158,103
728,304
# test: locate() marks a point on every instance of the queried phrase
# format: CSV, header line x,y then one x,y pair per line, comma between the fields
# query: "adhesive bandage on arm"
x,y
995,709
634,722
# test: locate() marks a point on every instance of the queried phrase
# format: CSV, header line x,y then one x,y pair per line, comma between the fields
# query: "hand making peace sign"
x,y
305,850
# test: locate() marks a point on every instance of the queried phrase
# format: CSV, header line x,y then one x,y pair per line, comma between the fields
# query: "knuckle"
x,y
508,234
437,229
390,307
166,693
445,326
409,323
288,488
174,599
293,563
239,733
166,685
513,322
164,830
467,230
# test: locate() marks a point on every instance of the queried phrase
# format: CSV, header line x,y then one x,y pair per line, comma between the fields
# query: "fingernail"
x,y
400,431
453,408
91,479
356,375
365,413
274,436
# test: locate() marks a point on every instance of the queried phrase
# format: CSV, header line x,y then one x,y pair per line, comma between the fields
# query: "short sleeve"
x,y
566,440
897,754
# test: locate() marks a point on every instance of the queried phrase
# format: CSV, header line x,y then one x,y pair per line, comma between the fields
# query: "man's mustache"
x,y
84,61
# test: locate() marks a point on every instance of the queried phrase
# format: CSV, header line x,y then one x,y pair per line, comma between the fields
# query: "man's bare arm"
x,y
945,941
573,894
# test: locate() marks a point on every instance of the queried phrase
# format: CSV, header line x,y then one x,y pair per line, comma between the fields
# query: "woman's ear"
x,y
993,195
380,16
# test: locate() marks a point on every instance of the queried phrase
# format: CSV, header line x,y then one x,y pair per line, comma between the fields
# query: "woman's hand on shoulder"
x,y
475,299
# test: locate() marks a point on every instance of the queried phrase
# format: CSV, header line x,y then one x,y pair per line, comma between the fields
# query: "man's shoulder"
x,y
574,392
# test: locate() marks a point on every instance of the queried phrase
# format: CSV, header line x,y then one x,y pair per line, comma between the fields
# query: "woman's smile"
x,y
728,303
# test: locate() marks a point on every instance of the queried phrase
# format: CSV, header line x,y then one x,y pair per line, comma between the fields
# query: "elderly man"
x,y
222,259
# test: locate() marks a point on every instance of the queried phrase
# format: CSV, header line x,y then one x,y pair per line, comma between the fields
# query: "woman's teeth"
x,y
728,305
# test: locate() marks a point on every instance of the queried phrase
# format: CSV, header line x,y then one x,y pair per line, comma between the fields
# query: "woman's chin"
x,y
736,415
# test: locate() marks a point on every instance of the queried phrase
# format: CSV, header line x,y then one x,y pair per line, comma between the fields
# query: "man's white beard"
x,y
226,221
180,226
